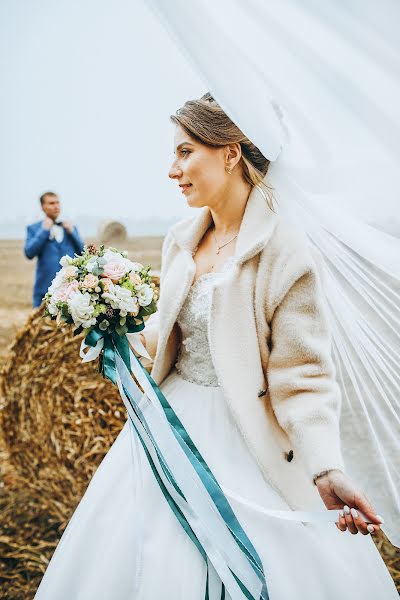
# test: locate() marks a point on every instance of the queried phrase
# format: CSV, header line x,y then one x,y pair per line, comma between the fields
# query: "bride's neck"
x,y
227,213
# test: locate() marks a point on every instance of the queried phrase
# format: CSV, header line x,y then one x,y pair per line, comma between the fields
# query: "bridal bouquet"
x,y
104,294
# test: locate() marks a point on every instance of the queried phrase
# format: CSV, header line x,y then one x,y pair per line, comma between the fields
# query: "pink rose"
x,y
70,272
107,284
90,281
64,292
134,278
114,270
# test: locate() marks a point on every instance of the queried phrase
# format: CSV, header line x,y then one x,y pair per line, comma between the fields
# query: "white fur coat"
x,y
270,343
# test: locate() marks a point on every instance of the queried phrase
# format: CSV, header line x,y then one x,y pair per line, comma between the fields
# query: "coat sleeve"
x,y
35,240
150,331
301,374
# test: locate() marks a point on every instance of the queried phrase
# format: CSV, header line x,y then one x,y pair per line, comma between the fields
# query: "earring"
x,y
227,169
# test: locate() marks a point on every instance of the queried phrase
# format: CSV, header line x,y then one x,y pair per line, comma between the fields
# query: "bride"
x,y
240,348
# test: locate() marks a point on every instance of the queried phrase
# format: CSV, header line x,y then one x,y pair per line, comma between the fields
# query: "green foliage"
x,y
99,309
121,329
150,308
128,285
97,270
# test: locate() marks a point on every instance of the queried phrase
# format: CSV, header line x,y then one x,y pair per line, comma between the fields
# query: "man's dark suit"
x,y
49,251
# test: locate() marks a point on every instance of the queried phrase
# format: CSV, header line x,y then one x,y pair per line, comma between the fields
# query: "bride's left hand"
x,y
338,491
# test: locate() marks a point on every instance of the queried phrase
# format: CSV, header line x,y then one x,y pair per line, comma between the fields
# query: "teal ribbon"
x,y
217,496
208,479
114,343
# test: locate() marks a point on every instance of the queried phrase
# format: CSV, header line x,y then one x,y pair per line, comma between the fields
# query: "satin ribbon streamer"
x,y
97,341
191,490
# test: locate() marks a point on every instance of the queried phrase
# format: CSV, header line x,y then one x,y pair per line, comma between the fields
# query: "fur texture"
x,y
270,342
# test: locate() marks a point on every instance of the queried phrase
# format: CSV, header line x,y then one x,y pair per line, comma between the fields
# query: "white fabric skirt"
x,y
123,541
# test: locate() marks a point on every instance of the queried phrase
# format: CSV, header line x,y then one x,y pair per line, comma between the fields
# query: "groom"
x,y
49,240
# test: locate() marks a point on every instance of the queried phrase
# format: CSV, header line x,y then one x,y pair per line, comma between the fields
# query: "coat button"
x,y
262,393
289,455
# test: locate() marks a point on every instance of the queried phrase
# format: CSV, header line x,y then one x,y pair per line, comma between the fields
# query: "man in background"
x,y
49,240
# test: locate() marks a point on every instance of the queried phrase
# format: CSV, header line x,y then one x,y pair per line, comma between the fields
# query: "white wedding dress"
x,y
123,542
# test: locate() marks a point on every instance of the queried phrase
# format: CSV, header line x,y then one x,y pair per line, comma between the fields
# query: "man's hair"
x,y
43,196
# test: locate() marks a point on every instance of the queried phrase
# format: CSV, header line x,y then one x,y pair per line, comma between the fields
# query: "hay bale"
x,y
29,535
113,233
58,419
59,416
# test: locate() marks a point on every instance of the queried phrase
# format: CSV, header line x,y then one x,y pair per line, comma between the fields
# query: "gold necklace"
x,y
226,243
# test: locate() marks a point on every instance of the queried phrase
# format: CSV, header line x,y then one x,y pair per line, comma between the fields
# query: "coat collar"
x,y
256,228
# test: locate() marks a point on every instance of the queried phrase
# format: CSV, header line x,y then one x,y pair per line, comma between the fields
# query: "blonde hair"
x,y
206,122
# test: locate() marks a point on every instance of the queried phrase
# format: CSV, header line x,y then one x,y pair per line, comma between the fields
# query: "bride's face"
x,y
198,169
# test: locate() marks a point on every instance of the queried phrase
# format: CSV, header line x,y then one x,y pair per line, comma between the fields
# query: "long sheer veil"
x,y
316,87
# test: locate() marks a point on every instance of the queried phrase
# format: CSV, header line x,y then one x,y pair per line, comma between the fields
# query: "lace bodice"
x,y
194,361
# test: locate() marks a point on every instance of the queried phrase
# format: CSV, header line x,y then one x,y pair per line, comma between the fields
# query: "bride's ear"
x,y
233,154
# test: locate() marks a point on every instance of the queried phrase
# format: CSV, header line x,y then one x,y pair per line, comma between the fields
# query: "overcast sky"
x,y
87,90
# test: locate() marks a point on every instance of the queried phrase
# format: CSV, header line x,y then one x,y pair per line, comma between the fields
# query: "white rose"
x,y
57,281
81,310
52,308
136,266
89,323
145,294
111,255
66,260
122,299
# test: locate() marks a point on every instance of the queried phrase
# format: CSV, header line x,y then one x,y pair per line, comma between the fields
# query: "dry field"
x,y
16,273
30,529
